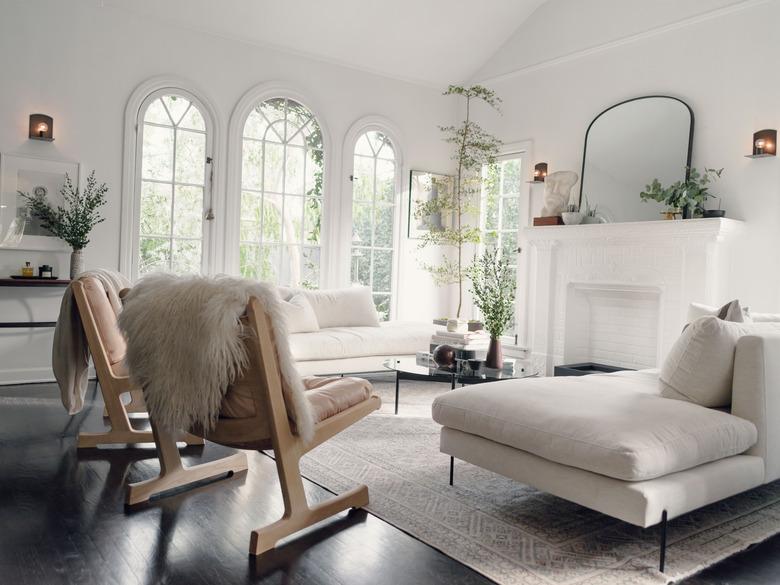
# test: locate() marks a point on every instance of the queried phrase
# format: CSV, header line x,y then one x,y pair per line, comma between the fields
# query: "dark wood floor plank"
x,y
63,519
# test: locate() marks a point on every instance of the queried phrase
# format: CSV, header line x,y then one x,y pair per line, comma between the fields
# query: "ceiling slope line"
x,y
608,46
286,51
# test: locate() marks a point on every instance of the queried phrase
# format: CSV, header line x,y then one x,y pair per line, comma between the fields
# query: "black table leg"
x,y
454,377
452,469
397,384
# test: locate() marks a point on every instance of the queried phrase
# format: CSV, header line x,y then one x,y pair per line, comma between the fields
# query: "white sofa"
x,y
354,350
612,443
338,331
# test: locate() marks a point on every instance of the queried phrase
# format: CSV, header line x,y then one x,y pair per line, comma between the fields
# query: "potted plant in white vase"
x,y
74,221
493,287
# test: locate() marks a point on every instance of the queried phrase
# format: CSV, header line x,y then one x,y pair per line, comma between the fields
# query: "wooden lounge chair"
x,y
337,404
107,347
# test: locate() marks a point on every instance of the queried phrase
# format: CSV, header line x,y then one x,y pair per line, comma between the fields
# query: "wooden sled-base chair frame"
x,y
270,428
97,316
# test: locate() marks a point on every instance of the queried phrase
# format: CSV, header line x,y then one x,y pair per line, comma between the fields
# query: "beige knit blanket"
x,y
185,347
70,352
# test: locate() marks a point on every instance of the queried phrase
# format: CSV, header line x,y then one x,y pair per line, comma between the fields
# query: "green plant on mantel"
x,y
73,222
691,192
474,147
493,286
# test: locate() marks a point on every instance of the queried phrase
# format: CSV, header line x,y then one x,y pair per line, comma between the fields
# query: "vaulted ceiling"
x,y
431,41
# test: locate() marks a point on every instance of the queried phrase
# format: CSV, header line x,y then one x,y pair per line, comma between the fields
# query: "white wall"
x,y
722,64
79,63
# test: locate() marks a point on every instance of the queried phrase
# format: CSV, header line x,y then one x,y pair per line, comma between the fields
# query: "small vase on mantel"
x,y
76,263
495,356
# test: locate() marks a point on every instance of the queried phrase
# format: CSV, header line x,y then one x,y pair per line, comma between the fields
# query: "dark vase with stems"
x,y
493,286
495,355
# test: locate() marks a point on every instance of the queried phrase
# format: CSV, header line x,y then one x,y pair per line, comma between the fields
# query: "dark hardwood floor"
x,y
62,519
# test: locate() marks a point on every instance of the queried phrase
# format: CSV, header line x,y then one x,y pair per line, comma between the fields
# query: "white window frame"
x,y
360,127
230,233
135,110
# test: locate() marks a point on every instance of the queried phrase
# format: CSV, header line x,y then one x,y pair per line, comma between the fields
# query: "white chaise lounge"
x,y
613,444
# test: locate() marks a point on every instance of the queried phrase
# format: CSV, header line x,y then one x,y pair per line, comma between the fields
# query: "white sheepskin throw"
x,y
185,347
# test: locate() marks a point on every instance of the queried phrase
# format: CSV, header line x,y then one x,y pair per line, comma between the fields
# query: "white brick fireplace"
x,y
619,293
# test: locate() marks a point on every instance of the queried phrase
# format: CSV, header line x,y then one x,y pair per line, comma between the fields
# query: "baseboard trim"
x,y
41,375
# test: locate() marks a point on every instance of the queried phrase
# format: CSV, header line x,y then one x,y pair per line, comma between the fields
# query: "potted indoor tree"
x,y
493,286
474,147
74,221
686,197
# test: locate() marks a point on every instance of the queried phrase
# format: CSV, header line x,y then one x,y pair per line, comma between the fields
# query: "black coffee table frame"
x,y
454,377
434,374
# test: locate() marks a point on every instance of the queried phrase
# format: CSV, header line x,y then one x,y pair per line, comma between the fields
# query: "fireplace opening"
x,y
617,325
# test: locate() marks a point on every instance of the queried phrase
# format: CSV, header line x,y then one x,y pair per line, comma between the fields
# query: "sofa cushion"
x,y
340,307
299,315
614,424
393,338
731,311
700,364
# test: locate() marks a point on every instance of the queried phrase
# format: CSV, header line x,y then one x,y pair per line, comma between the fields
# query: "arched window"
x,y
373,217
174,186
281,194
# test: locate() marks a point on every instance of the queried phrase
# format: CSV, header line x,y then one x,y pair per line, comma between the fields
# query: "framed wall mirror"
x,y
626,147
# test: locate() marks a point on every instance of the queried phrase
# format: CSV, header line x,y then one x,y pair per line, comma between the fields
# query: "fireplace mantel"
x,y
637,230
686,260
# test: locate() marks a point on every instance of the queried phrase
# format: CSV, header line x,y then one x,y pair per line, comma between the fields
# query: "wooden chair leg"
x,y
121,431
136,404
297,512
173,474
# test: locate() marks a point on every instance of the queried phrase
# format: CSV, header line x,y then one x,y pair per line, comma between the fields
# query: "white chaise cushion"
x,y
299,315
700,365
333,343
615,424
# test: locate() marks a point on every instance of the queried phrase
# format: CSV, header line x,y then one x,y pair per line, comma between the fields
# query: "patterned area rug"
x,y
510,532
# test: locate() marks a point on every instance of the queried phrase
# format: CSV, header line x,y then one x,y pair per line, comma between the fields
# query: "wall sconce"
x,y
540,172
41,127
764,144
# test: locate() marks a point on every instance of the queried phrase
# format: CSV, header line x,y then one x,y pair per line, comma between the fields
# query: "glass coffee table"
x,y
409,369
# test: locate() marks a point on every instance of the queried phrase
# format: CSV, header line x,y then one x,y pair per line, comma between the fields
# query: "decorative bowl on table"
x,y
572,217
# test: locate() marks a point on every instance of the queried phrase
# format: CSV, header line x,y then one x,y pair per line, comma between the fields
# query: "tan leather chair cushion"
x,y
328,397
105,319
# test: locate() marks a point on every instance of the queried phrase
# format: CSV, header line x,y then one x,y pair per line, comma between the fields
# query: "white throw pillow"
x,y
344,307
731,311
700,365
299,315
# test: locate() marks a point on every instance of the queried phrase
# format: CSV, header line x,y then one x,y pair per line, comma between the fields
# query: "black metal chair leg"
x,y
397,384
662,564
452,469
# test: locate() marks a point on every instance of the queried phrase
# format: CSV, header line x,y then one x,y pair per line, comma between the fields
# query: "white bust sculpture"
x,y
557,189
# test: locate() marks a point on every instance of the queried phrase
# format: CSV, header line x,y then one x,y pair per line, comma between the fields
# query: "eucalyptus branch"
x,y
75,220
493,286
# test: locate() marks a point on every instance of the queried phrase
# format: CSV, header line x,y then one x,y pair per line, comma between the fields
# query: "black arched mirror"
x,y
626,147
